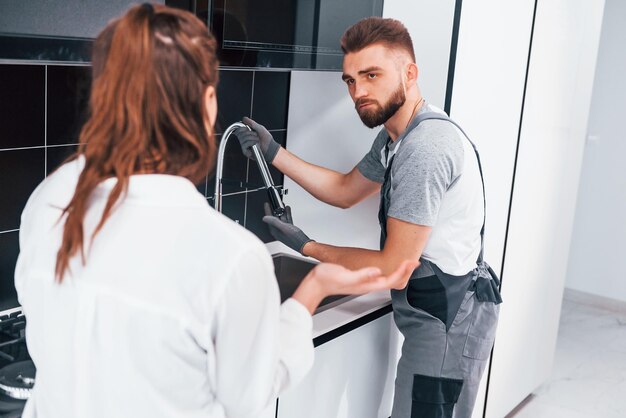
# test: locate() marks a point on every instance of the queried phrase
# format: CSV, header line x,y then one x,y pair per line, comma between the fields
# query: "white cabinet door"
x,y
353,376
558,96
492,53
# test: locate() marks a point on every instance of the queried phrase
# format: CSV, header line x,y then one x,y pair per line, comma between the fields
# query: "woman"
x,y
141,300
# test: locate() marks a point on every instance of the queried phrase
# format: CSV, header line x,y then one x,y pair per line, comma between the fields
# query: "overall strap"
x,y
439,116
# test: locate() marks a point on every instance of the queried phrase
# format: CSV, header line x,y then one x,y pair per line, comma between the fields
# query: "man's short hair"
x,y
374,30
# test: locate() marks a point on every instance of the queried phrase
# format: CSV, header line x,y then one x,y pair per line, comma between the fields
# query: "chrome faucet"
x,y
278,207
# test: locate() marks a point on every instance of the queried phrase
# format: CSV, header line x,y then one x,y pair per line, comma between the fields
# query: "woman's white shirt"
x,y
175,313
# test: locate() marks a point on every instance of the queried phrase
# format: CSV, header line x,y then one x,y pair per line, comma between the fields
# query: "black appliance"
x,y
298,34
17,371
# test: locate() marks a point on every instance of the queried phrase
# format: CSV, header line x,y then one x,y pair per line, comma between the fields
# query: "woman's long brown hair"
x,y
151,70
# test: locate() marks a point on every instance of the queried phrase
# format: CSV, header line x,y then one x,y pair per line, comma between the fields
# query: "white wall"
x,y
558,96
324,129
599,239
430,24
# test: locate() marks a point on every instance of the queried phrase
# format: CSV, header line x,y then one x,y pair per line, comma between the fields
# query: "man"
x,y
432,209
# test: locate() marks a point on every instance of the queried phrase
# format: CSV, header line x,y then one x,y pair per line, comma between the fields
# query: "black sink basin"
x,y
290,271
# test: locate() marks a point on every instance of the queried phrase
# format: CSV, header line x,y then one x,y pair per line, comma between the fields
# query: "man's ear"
x,y
411,73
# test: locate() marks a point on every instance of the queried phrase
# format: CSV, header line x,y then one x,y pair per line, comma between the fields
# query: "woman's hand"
x,y
331,279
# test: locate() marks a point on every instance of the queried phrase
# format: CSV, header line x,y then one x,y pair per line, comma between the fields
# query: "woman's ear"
x,y
210,104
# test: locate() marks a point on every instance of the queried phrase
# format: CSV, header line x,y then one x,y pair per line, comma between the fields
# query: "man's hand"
x,y
257,136
284,230
337,280
331,279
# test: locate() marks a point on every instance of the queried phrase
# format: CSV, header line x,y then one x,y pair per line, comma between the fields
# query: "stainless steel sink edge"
x,y
289,274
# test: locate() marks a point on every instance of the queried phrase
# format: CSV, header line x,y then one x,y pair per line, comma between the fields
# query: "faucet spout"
x,y
219,166
278,207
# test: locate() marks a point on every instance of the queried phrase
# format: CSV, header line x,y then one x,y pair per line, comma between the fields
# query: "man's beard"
x,y
380,115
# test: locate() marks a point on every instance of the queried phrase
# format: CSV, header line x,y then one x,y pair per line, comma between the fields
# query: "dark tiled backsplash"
x,y
42,108
269,108
56,155
22,106
234,95
67,97
21,170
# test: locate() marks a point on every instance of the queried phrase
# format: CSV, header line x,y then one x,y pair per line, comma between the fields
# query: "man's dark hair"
x,y
374,30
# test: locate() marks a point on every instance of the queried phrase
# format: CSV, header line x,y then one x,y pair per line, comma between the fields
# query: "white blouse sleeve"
x,y
262,348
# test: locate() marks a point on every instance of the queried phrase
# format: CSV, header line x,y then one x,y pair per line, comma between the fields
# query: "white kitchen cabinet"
x,y
558,95
352,377
491,58
542,178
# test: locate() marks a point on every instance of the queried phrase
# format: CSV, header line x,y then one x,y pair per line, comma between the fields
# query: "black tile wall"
x,y
234,206
33,144
255,213
254,176
55,156
68,100
234,97
20,172
270,99
9,248
22,106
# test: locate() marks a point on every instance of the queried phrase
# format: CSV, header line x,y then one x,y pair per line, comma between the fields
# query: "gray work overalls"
x,y
448,323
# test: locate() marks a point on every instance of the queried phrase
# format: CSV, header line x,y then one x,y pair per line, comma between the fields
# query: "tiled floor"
x,y
589,375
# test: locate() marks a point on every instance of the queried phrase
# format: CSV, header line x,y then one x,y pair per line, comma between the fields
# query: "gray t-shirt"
x,y
435,182
427,164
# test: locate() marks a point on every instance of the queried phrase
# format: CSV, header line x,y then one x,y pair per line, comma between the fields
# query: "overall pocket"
x,y
434,397
482,331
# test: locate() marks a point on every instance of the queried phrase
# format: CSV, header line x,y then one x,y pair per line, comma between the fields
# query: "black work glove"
x,y
284,230
257,136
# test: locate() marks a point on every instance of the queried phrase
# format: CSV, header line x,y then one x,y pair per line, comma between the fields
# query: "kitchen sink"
x,y
291,270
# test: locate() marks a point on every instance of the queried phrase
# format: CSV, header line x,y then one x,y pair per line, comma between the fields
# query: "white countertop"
x,y
346,312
